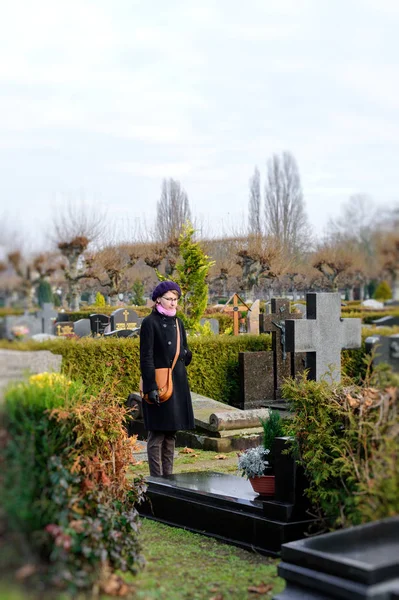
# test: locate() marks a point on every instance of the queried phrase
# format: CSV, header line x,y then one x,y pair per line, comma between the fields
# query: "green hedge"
x,y
214,371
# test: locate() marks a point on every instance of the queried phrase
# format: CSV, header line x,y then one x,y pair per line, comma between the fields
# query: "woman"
x,y
158,342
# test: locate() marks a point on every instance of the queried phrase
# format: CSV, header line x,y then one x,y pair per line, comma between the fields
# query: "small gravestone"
x,y
359,562
26,321
122,333
256,379
386,350
47,316
99,324
82,328
388,321
124,318
253,318
322,335
214,324
63,328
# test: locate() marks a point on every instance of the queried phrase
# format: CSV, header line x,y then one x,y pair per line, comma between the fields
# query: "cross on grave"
x,y
322,335
47,316
274,323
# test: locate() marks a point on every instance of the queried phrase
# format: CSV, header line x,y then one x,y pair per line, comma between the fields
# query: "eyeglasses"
x,y
170,299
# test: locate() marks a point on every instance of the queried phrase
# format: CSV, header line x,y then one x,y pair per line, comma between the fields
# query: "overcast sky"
x,y
102,99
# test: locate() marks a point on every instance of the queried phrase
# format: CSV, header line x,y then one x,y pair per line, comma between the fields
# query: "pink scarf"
x,y
168,312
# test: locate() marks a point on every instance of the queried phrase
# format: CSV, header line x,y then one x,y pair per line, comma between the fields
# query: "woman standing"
x,y
158,345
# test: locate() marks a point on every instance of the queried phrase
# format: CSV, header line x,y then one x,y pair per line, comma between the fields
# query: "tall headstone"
x,y
124,318
286,364
253,318
322,335
47,316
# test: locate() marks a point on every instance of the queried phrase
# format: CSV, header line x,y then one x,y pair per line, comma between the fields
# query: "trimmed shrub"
x,y
348,443
383,291
99,300
64,480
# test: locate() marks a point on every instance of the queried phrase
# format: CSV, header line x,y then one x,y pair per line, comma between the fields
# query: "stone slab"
x,y
16,365
203,407
222,506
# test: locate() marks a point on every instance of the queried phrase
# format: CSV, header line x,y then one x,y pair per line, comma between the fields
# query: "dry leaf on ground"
x,y
220,456
263,588
187,451
25,572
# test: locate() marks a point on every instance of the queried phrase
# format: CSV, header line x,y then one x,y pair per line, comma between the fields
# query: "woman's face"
x,y
169,299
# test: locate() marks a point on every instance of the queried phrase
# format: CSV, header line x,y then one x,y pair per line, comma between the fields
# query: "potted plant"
x,y
257,464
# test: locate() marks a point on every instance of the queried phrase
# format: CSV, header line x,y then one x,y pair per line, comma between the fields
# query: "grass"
x,y
187,566
188,460
180,565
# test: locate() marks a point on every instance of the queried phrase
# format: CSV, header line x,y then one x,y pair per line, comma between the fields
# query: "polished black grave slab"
x,y
223,506
358,562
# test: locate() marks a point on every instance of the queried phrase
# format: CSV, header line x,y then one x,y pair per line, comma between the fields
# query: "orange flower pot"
x,y
264,485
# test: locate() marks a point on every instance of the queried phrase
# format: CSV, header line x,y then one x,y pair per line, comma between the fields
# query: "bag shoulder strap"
x,y
177,344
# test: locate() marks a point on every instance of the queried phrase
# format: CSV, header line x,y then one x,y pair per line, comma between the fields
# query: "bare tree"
x,y
254,218
173,211
75,227
285,217
109,266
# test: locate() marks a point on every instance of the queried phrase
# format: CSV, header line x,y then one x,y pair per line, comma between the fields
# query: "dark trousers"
x,y
160,452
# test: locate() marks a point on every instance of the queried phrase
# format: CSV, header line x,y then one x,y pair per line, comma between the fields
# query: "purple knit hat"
x,y
163,287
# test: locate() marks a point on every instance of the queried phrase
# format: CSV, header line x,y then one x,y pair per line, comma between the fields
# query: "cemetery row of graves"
x,y
72,491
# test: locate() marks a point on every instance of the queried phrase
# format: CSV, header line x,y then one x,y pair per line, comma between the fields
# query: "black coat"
x,y
157,350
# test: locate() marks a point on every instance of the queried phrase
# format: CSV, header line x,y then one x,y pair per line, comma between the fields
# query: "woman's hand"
x,y
154,397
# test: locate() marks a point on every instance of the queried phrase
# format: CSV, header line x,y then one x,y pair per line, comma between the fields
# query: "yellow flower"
x,y
44,379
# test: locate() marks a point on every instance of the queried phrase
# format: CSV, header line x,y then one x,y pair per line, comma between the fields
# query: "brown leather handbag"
x,y
163,376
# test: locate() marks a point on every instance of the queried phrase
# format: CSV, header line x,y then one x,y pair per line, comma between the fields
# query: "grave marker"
x,y
82,328
124,318
47,316
285,364
322,335
98,323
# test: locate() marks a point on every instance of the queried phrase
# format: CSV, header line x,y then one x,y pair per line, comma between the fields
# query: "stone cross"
x,y
322,335
274,323
48,316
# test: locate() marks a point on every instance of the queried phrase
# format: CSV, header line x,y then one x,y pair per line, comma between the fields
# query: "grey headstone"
x,y
82,328
214,323
322,335
125,318
47,316
32,324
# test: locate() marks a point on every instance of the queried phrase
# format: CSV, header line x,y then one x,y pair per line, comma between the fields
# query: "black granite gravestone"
x,y
388,321
359,562
124,318
98,323
386,350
